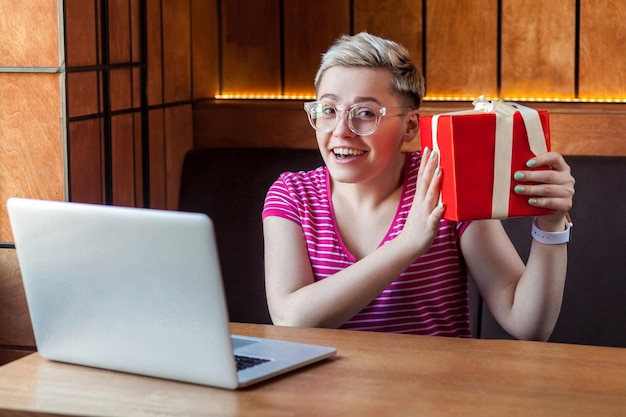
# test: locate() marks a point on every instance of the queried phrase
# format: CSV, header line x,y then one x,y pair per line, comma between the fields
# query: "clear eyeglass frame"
x,y
362,118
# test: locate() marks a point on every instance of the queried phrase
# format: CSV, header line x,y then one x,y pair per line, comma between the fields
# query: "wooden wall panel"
x,y
156,126
178,140
119,31
535,41
251,47
136,87
29,30
460,60
80,33
138,159
538,49
571,133
84,95
252,123
176,51
120,88
461,45
221,123
104,92
204,44
135,30
154,51
309,29
400,20
602,47
123,160
31,148
86,170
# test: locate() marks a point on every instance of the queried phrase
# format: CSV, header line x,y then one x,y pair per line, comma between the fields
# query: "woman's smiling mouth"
x,y
347,153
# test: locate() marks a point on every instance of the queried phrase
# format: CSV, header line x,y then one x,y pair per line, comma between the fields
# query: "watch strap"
x,y
553,238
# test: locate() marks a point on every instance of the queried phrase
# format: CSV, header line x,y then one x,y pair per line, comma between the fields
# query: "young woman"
x,y
360,243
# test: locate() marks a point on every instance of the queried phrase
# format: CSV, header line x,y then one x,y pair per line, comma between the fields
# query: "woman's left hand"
x,y
555,188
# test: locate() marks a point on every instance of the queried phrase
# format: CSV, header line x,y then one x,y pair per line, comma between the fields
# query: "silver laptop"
x,y
138,291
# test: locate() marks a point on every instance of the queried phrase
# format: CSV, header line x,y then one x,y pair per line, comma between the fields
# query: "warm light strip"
x,y
264,96
533,99
239,96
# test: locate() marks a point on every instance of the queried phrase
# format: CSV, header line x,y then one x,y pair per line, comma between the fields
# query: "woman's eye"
x,y
329,111
365,113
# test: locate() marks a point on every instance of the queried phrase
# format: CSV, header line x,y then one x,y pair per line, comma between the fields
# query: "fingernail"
x,y
432,155
426,150
518,175
519,188
437,171
440,206
531,163
532,201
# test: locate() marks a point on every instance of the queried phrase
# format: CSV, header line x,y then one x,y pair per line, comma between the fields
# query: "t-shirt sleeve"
x,y
281,201
461,226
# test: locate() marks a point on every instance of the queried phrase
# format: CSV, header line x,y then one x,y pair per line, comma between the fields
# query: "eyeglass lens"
x,y
362,119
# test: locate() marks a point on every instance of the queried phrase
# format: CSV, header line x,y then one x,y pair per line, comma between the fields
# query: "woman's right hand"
x,y
422,223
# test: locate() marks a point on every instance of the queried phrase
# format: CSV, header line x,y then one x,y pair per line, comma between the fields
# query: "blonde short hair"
x,y
370,51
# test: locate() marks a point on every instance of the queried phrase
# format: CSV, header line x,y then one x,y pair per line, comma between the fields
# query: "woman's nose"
x,y
343,129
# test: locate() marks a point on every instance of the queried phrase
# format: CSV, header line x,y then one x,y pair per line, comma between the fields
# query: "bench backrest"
x,y
229,184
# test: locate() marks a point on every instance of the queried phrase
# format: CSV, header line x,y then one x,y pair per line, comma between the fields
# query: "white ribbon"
x,y
503,154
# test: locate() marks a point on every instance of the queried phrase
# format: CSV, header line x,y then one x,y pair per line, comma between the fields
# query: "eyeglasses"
x,y
362,118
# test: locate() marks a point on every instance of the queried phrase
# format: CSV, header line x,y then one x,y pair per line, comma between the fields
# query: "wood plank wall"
x,y
512,48
193,50
568,50
126,127
31,145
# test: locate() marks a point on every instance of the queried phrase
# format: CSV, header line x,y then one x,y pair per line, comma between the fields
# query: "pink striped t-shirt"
x,y
430,297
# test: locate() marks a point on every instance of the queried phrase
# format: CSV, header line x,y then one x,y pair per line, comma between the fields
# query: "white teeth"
x,y
347,151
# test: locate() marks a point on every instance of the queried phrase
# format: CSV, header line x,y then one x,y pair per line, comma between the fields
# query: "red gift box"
x,y
479,151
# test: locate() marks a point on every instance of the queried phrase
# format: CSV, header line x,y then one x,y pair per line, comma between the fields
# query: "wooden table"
x,y
373,374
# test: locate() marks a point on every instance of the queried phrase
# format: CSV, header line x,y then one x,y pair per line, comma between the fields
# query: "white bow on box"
x,y
504,112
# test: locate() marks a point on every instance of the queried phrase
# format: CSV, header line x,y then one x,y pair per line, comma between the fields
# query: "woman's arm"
x,y
295,299
524,299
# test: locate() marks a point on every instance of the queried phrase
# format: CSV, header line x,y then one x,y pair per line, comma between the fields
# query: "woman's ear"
x,y
412,126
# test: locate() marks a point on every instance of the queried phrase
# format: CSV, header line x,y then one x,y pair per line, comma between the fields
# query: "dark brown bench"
x,y
229,184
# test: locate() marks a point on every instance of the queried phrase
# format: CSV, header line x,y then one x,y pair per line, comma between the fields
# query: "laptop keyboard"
x,y
245,362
